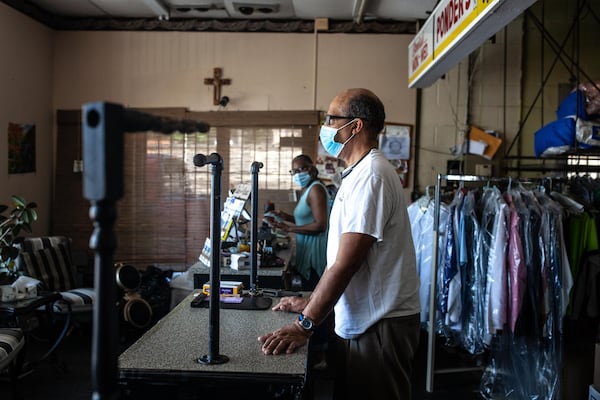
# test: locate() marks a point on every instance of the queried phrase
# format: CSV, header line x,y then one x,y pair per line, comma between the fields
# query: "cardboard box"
x,y
492,142
230,288
594,394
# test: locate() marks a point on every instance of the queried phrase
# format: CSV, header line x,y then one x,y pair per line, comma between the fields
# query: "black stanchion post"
x,y
103,128
254,169
213,356
256,300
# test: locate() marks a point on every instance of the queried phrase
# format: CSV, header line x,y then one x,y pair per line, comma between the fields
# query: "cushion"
x,y
80,300
43,242
11,341
52,266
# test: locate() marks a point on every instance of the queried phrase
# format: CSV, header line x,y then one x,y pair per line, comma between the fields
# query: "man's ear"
x,y
358,125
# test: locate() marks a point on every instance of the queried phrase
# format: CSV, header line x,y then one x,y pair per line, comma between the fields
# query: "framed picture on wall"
x,y
330,168
394,143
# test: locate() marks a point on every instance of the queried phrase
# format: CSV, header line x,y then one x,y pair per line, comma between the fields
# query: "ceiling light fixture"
x,y
246,10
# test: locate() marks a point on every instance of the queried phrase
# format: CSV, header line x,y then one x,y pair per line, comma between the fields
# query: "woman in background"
x,y
309,222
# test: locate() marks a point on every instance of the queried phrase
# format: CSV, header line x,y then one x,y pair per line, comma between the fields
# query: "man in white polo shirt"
x,y
371,280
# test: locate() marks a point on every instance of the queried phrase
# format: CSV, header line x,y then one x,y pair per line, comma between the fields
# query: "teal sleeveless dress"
x,y
311,250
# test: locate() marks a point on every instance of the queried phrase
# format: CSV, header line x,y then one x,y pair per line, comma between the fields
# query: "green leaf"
x,y
19,201
32,215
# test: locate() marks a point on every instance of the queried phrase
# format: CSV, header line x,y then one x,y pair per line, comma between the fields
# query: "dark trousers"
x,y
378,363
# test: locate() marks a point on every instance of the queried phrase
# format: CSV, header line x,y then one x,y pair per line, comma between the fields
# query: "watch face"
x,y
305,323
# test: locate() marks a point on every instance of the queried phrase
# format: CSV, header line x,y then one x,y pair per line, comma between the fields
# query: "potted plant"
x,y
11,225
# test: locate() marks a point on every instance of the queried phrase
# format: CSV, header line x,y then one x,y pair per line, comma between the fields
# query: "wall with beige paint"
x,y
269,71
26,97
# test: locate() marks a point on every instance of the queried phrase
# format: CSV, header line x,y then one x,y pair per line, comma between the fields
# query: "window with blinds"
x,y
164,215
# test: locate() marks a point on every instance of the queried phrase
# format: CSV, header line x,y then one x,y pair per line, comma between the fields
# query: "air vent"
x,y
260,9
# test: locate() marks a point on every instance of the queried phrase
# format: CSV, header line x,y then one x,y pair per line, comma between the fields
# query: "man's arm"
x,y
352,252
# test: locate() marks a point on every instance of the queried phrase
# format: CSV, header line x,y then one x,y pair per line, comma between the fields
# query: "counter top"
x,y
170,348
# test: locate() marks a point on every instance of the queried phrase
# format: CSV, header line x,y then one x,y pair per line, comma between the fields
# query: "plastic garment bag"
x,y
517,274
449,279
494,237
421,222
460,277
472,316
525,364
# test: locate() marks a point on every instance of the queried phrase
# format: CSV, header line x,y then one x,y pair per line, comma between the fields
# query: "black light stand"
x,y
258,302
103,128
213,356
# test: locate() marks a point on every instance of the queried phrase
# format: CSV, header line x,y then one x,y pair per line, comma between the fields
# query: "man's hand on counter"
x,y
284,340
291,304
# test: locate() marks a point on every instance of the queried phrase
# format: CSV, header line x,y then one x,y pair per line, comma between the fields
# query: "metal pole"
x,y
103,127
255,167
432,290
213,356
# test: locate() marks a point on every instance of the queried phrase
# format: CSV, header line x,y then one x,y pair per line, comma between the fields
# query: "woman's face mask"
x,y
327,136
301,178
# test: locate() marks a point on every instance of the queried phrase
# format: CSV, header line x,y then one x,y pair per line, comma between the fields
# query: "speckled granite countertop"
x,y
174,344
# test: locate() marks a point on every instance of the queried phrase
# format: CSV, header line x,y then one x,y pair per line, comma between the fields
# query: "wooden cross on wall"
x,y
217,82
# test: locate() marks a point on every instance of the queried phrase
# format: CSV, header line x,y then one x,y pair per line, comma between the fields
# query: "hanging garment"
x,y
535,267
582,238
586,293
526,324
494,237
421,216
449,276
517,274
472,288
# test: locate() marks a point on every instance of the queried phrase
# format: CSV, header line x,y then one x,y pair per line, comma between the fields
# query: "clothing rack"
x,y
431,371
546,182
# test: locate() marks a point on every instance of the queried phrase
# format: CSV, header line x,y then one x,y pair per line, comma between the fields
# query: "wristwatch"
x,y
306,323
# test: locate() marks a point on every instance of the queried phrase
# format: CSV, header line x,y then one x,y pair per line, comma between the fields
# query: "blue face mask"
x,y
327,136
301,179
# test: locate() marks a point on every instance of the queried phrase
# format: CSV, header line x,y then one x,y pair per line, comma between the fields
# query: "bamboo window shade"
x,y
164,215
